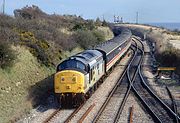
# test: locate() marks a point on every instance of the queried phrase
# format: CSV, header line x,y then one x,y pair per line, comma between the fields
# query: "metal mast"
x,y
3,6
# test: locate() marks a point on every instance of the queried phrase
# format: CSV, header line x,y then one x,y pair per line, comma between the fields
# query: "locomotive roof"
x,y
88,56
109,45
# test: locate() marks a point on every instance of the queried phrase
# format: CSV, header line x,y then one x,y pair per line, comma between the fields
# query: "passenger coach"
x,y
79,76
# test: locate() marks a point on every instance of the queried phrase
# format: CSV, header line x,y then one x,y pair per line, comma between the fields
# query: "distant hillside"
x,y
32,43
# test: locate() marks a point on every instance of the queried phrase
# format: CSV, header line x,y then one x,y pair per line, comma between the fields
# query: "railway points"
x,y
133,82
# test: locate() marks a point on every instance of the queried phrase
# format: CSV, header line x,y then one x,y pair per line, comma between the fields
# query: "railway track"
x,y
120,90
131,79
48,119
159,111
174,105
57,112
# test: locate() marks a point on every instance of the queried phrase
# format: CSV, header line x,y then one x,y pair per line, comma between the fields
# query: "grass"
x,y
15,82
26,80
44,40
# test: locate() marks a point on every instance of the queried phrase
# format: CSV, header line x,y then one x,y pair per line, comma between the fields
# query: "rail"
x,y
112,92
156,97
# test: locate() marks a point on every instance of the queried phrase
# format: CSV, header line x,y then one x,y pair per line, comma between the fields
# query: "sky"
x,y
149,11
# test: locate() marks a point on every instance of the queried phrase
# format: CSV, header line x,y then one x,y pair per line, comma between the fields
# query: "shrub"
x,y
6,55
99,35
85,39
78,26
90,25
43,34
170,58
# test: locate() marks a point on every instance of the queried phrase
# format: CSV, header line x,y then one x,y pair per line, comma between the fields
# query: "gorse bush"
x,y
43,35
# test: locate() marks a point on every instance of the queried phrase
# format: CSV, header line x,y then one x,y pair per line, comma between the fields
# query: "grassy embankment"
x,y
39,42
167,53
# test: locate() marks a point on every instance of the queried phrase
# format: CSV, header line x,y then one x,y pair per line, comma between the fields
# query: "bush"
x,y
85,39
170,58
99,35
43,33
6,55
90,25
78,26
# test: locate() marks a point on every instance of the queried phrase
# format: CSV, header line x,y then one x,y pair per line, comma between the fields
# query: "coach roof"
x,y
109,45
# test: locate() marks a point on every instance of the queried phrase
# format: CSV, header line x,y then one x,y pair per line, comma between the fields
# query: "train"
x,y
79,76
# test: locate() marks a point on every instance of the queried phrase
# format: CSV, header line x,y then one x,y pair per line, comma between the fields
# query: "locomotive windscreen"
x,y
69,64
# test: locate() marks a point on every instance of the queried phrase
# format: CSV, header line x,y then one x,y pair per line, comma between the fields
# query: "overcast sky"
x,y
149,10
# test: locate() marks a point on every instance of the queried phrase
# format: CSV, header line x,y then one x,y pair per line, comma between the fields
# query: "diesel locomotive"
x,y
79,76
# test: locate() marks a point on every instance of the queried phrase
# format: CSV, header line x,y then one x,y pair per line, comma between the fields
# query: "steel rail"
x,y
129,89
149,89
154,116
74,113
174,105
111,93
86,113
48,119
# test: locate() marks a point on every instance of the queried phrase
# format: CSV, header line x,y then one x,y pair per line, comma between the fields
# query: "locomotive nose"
x,y
69,81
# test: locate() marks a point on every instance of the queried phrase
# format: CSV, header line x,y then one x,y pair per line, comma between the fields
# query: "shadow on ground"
x,y
42,94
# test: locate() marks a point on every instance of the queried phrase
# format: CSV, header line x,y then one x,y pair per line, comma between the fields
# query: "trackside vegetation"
x,y
32,43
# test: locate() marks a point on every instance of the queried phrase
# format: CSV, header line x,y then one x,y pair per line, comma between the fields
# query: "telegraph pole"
x,y
118,19
114,19
103,18
121,19
137,17
3,6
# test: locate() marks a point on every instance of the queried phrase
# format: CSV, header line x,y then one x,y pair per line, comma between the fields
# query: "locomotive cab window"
x,y
72,64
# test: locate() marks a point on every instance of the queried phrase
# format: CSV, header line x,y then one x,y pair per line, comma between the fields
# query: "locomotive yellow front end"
x,y
69,81
69,87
